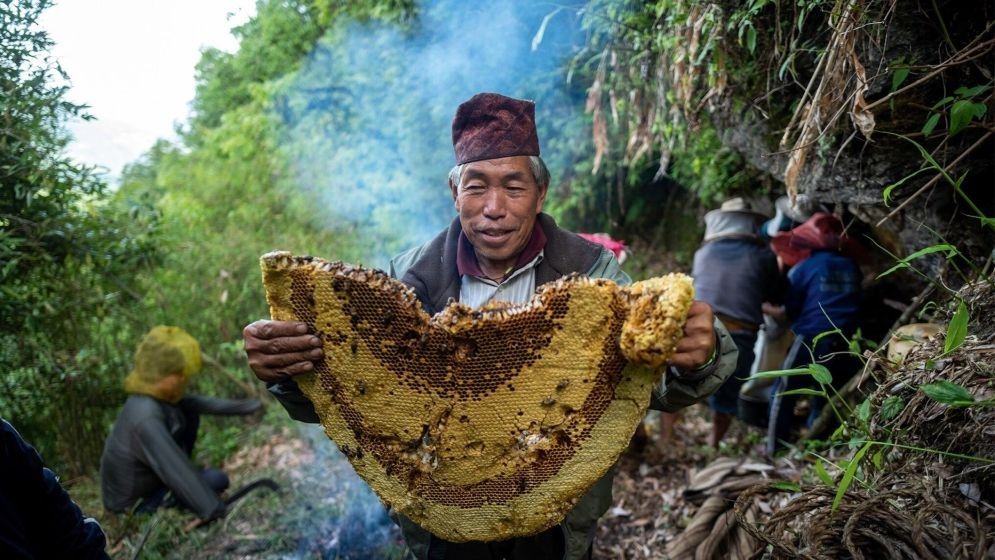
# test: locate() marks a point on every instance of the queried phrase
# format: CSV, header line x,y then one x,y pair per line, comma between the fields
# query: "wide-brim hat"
x,y
736,217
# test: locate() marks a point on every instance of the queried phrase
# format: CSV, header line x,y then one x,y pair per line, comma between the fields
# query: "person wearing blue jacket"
x,y
37,517
823,296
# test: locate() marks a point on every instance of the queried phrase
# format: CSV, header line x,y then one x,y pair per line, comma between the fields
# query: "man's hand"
x,y
776,312
694,350
280,349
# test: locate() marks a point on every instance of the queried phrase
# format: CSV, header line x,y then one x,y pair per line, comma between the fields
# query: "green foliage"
x,y
787,486
84,272
957,329
399,12
948,393
848,476
823,474
67,258
646,91
864,411
818,372
931,163
891,407
271,44
950,251
960,108
898,77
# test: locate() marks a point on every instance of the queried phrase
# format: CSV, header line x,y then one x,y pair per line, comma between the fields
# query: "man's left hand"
x,y
694,350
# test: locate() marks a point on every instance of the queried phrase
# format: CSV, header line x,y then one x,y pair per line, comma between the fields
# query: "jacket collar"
x,y
435,276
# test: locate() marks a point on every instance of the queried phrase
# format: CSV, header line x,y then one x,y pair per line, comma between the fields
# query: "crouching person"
x,y
147,454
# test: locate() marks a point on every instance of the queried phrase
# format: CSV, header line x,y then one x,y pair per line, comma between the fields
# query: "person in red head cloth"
x,y
824,295
501,246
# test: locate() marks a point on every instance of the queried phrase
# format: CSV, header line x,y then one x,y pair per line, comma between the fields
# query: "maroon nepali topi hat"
x,y
491,126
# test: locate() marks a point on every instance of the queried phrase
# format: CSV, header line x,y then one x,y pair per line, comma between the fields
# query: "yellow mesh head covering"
x,y
164,351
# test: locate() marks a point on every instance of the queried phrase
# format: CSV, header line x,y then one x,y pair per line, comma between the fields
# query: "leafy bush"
x,y
67,258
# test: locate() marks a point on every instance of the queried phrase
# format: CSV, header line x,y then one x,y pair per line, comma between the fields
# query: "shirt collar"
x,y
466,258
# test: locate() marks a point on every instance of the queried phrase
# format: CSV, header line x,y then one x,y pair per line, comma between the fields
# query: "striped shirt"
x,y
516,289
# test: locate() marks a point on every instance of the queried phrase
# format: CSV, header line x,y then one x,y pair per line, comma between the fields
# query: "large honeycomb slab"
x,y
480,424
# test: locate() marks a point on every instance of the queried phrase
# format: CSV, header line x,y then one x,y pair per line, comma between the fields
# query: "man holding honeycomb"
x,y
498,251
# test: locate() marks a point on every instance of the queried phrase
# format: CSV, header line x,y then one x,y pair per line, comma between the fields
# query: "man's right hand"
x,y
278,350
776,312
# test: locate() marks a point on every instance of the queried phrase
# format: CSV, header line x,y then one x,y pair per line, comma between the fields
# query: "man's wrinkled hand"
x,y
278,350
698,344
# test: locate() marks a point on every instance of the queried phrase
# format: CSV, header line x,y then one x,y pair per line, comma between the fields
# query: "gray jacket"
x,y
142,453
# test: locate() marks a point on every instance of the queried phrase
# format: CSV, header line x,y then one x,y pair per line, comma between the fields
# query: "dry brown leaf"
x,y
862,118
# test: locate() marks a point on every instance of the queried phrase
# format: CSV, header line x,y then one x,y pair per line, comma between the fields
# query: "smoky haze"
x,y
367,118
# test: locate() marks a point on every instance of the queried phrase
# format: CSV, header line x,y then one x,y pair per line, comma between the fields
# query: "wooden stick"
x,y
958,58
249,389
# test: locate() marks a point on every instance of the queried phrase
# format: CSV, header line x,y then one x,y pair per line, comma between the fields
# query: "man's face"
x,y
498,201
172,386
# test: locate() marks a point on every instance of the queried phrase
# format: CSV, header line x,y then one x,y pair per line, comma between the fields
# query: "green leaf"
x,y
948,392
820,373
968,93
854,346
892,406
931,123
938,248
807,392
823,474
839,433
925,155
887,191
779,373
957,329
784,66
898,78
878,458
824,334
848,474
961,114
899,266
864,411
942,102
751,39
787,486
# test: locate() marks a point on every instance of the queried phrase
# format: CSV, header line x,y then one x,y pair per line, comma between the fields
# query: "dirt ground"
x,y
649,508
326,511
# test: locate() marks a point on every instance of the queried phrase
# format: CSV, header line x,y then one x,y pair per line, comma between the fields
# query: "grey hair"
x,y
538,167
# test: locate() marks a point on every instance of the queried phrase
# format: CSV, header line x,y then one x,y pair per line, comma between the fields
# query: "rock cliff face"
x,y
846,169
